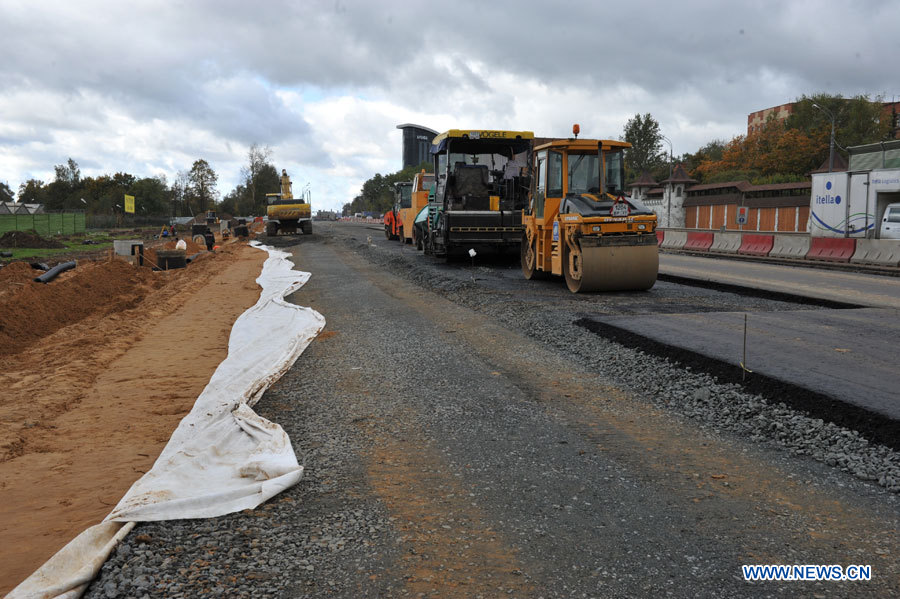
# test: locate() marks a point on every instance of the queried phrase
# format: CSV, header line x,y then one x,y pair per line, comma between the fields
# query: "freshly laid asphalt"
x,y
834,285
845,354
850,355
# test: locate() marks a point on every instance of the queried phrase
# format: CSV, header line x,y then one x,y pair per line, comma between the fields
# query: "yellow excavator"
x,y
287,213
580,224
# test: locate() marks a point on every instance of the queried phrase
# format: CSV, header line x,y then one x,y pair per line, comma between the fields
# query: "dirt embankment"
x,y
99,366
27,239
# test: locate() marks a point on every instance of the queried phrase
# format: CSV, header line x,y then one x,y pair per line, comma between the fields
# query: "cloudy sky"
x,y
147,87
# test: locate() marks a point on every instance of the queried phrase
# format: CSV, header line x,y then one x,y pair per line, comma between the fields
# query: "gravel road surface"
x,y
463,437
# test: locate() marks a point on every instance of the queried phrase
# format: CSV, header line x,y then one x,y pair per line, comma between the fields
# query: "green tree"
x,y
151,196
32,192
6,193
202,181
646,151
267,181
858,120
180,193
63,190
257,161
377,194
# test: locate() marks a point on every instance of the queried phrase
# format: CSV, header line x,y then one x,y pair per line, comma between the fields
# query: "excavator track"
x,y
612,268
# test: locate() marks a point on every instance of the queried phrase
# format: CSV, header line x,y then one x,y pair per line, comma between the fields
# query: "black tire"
x,y
574,285
306,227
271,229
528,260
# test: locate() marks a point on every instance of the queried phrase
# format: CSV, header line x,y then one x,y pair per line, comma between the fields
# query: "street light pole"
x,y
831,144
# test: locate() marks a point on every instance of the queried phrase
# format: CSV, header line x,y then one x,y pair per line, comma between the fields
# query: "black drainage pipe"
x,y
53,272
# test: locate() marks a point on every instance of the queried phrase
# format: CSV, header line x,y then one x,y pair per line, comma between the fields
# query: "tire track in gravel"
x,y
448,546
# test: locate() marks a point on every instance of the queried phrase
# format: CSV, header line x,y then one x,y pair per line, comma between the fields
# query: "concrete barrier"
x,y
884,252
756,245
674,240
833,249
698,241
660,235
790,246
726,242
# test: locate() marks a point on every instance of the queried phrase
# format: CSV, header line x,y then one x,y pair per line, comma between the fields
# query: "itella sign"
x,y
828,208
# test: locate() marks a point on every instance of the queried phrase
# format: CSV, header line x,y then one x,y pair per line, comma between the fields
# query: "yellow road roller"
x,y
580,224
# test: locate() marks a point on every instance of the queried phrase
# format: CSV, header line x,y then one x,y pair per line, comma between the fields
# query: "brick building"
x,y
755,120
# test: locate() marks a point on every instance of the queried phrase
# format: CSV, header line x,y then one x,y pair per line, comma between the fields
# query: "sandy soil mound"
x,y
27,239
86,409
192,248
30,311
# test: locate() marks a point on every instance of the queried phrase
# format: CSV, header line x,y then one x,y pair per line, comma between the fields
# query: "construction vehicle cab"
x,y
580,224
421,185
482,185
285,212
393,219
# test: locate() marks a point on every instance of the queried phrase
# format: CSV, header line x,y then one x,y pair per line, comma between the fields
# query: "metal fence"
x,y
53,223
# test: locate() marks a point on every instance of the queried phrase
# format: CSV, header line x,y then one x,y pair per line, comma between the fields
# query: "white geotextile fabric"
x,y
223,457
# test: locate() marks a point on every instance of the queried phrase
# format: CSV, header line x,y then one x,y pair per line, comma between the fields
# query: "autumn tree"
x,y
788,149
774,151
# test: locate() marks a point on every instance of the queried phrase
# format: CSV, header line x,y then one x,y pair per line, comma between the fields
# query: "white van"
x,y
890,224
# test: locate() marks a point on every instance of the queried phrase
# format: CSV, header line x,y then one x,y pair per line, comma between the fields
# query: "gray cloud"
x,y
213,70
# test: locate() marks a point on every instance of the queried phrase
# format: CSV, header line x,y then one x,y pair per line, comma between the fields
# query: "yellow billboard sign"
x,y
129,203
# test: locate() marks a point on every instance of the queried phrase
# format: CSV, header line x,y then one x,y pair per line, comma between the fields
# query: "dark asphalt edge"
x,y
766,294
873,426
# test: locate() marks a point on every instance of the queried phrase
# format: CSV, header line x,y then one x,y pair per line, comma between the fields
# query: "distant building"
x,y
755,120
416,144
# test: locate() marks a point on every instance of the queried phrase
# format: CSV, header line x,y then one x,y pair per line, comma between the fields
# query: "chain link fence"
x,y
45,225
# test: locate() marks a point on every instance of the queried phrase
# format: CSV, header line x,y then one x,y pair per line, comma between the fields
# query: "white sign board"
x,y
830,210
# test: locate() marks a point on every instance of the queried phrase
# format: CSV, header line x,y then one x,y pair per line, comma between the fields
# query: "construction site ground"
x,y
98,367
464,436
